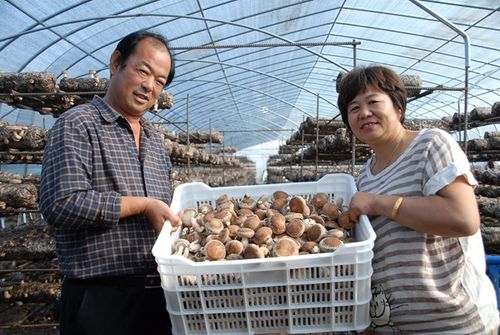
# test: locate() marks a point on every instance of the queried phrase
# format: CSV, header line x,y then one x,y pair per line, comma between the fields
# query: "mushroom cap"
x,y
316,232
252,251
245,232
277,223
252,222
194,236
247,202
345,220
263,202
233,229
270,212
204,208
295,228
214,226
224,215
223,235
222,198
286,246
329,244
279,204
317,218
234,247
244,212
262,235
298,204
261,213
309,247
215,250
319,200
280,195
330,210
336,232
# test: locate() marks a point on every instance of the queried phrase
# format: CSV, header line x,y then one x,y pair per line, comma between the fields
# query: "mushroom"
x,y
319,200
316,232
262,235
234,247
248,202
232,230
261,213
345,220
280,195
252,222
263,203
221,199
244,212
215,250
181,247
330,210
317,218
295,228
204,208
214,226
309,247
285,246
188,215
223,235
298,204
193,236
329,244
245,234
224,215
336,232
252,251
277,223
279,204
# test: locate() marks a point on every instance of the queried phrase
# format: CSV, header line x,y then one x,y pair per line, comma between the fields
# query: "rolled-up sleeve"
x,y
67,198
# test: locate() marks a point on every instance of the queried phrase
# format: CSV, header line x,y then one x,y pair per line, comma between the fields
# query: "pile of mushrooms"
x,y
282,225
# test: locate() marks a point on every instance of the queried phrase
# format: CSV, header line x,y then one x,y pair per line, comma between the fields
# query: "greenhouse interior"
x,y
252,110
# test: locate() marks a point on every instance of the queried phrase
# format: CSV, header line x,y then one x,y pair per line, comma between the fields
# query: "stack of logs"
x,y
479,116
38,91
488,195
29,280
296,160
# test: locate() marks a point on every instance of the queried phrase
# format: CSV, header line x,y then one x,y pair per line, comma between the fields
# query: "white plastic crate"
x,y
323,292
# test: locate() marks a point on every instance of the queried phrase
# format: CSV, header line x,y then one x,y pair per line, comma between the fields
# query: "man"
x,y
105,190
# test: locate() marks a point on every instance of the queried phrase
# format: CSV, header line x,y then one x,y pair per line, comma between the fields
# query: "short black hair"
x,y
379,77
129,43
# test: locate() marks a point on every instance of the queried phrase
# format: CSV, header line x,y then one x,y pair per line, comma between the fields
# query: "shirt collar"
x,y
110,115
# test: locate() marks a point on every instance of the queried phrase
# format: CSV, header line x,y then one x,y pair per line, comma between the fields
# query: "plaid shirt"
x,y
89,162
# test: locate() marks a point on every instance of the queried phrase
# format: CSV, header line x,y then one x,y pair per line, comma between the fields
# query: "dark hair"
x,y
379,77
129,43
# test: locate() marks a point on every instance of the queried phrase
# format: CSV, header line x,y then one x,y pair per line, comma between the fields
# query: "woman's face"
x,y
372,116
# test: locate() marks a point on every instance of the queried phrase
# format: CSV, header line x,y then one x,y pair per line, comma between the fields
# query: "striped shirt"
x,y
424,283
90,161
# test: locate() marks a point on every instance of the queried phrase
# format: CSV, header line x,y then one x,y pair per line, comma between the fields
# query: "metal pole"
x,y
317,137
353,138
187,134
464,35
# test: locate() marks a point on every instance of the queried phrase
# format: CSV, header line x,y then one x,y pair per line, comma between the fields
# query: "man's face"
x,y
137,83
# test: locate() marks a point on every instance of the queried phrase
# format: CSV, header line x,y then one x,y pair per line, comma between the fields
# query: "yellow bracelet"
x,y
395,209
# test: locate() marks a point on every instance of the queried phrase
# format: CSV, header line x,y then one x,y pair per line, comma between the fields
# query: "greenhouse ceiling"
x,y
254,70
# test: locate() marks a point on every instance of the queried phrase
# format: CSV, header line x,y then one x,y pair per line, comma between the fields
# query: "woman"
x,y
429,264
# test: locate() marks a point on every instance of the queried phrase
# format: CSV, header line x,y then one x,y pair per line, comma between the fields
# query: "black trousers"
x,y
112,306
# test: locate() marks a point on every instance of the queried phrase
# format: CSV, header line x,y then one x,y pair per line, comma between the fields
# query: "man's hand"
x,y
156,211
